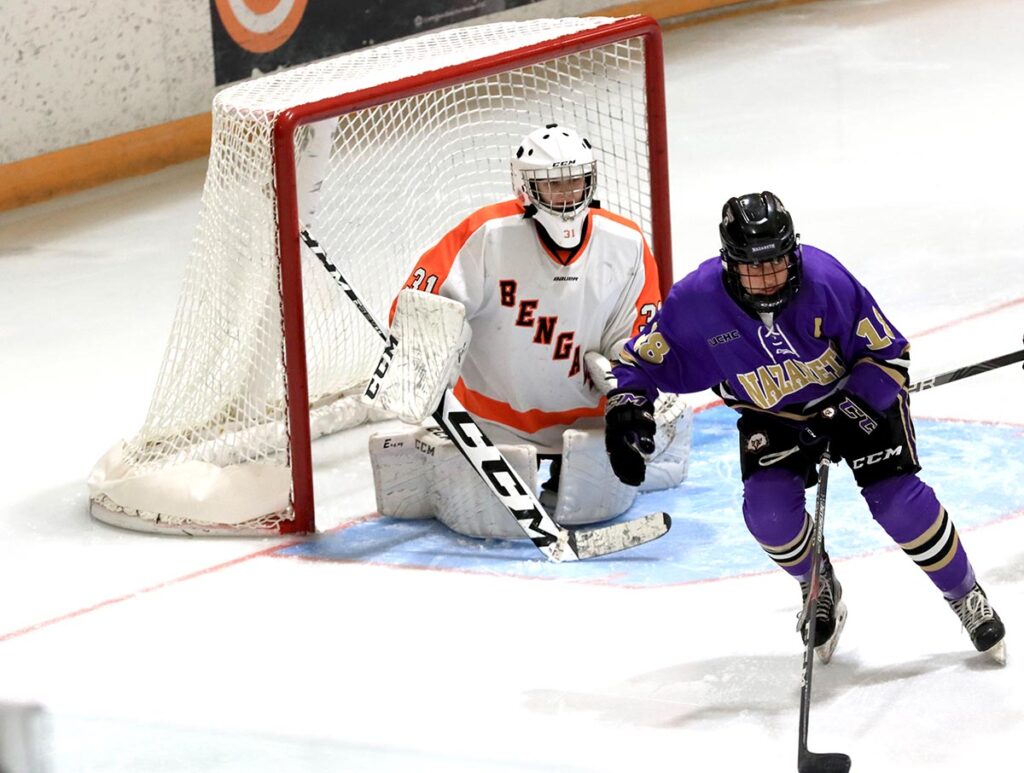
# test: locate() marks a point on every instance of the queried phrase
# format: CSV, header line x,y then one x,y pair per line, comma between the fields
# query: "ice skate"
x,y
986,630
549,488
549,499
831,614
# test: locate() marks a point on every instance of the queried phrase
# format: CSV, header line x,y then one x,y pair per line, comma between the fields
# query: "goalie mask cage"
x,y
379,153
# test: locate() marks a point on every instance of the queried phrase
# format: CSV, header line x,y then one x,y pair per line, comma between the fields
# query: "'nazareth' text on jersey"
x,y
831,335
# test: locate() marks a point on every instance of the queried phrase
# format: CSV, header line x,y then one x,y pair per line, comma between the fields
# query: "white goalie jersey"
x,y
535,311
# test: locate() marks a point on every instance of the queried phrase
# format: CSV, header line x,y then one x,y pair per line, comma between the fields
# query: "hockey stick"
x,y
837,762
555,542
967,371
808,761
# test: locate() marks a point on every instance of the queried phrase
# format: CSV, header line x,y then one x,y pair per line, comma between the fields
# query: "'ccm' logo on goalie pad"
x,y
382,368
875,458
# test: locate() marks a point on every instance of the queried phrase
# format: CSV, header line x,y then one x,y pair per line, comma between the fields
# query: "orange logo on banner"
x,y
260,25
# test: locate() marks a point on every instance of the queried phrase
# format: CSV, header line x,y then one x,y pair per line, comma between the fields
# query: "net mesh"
x,y
377,186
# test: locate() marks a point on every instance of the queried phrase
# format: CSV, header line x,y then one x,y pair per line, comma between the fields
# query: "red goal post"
x,y
379,152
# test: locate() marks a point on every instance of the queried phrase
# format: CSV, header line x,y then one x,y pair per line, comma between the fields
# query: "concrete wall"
x,y
95,90
80,70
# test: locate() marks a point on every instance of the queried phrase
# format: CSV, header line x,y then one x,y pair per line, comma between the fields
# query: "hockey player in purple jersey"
x,y
790,339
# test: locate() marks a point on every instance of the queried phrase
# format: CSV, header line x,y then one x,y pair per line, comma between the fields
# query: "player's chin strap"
x,y
552,540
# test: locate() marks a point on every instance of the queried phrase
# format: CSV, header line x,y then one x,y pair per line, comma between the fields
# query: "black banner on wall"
x,y
259,36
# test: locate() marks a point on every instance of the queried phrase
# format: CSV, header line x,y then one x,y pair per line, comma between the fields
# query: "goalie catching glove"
x,y
629,434
429,338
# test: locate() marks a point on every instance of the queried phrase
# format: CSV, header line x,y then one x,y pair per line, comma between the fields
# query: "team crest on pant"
x,y
756,442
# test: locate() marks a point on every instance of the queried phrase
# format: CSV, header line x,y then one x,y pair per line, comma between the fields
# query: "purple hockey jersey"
x,y
831,335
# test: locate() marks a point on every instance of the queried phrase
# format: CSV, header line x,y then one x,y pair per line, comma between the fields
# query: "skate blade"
x,y
998,652
824,651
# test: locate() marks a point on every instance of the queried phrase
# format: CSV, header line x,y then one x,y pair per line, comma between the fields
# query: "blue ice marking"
x,y
976,469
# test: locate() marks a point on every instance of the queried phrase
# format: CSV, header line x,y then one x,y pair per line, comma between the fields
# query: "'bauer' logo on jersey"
x,y
566,279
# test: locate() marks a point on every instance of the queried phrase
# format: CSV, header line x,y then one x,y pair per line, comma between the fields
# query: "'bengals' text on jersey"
x,y
535,311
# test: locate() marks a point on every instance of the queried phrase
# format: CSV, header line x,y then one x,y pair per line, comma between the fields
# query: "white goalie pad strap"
x,y
432,336
419,473
588,491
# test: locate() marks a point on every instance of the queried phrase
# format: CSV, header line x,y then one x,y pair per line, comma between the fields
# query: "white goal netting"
x,y
409,138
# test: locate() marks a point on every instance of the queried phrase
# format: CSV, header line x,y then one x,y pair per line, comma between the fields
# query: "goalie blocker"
x,y
419,473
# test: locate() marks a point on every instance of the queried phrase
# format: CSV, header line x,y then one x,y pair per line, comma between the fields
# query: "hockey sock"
x,y
907,508
773,509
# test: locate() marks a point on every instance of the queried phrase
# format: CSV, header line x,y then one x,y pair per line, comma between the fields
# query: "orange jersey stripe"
x,y
651,292
616,218
439,259
526,421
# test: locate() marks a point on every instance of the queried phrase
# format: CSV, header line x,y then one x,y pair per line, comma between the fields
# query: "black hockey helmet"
x,y
755,229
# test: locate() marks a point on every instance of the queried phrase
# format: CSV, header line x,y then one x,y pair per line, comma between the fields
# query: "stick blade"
x,y
828,762
591,543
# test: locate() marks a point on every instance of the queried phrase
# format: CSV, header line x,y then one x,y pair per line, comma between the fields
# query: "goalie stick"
x,y
968,371
554,541
808,761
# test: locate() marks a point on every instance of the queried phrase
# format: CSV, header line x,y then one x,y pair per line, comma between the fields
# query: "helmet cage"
x,y
763,302
756,229
563,191
554,176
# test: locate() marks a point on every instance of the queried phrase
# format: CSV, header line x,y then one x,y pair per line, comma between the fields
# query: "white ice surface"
x,y
891,128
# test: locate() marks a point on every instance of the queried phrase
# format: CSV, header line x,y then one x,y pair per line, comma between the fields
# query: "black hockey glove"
x,y
843,419
629,434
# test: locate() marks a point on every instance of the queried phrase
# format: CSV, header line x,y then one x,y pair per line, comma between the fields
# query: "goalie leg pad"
x,y
670,464
419,473
429,338
588,491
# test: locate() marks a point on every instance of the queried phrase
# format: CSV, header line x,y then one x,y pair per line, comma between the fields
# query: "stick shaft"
x,y
967,371
811,609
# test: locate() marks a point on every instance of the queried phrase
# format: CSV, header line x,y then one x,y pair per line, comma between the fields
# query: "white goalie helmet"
x,y
554,171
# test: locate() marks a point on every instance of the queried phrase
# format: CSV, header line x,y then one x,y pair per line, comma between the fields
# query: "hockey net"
x,y
378,153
